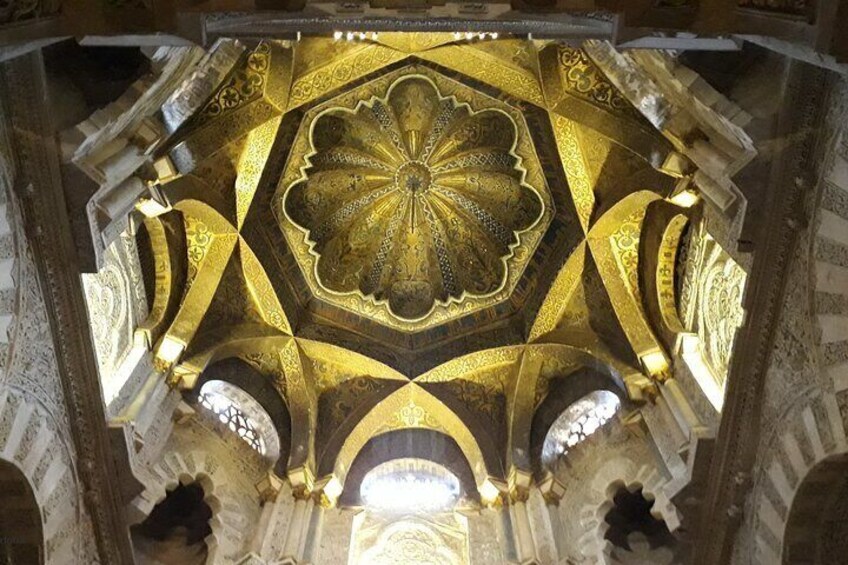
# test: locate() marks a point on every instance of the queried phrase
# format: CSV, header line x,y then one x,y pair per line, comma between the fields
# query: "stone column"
x,y
495,495
305,525
506,534
684,415
313,533
291,549
269,490
525,543
519,491
552,491
326,494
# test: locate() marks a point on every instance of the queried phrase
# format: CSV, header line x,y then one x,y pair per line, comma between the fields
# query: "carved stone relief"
x,y
384,213
711,300
116,303
33,417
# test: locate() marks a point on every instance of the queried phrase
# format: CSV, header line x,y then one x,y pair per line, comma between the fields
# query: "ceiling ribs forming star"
x,y
407,161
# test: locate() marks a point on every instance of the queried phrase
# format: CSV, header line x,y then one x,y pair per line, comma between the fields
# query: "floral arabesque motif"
x,y
413,199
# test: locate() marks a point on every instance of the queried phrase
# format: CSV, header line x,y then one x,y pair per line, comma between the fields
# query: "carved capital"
x,y
302,482
494,492
269,486
519,483
552,489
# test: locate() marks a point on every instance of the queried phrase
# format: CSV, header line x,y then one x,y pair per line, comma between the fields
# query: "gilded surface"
x,y
576,170
667,275
553,309
515,78
414,42
339,71
394,208
245,85
408,408
413,202
581,78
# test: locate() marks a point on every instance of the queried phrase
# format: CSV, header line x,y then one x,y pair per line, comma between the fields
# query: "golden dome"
x,y
413,199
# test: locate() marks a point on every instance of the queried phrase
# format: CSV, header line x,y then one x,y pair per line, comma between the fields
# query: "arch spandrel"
x,y
554,308
460,366
347,385
280,356
261,290
415,42
232,341
210,240
414,407
575,88
251,163
355,364
315,75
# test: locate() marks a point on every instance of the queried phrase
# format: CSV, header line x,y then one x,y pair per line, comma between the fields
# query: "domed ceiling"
x,y
413,199
420,232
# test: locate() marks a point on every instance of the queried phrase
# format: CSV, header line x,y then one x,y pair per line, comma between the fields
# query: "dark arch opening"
x,y
817,526
21,533
175,532
631,513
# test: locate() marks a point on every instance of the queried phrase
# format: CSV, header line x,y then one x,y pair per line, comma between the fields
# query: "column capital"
x,y
269,486
552,489
494,492
302,482
519,483
327,491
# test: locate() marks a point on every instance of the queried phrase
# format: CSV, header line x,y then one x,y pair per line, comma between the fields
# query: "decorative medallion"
x,y
419,201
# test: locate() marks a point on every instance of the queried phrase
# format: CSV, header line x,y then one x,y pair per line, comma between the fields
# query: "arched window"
x,y
577,422
243,415
410,486
816,529
409,516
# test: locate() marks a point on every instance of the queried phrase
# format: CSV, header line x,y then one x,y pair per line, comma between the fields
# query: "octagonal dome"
x,y
413,199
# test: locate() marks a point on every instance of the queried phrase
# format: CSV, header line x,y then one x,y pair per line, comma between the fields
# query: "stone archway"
x,y
20,524
645,480
817,525
231,514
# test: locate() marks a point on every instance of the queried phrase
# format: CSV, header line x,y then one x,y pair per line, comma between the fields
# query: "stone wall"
x,y
610,457
34,428
805,406
227,469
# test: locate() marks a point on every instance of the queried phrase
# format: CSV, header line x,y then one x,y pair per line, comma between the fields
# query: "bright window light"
x,y
228,411
577,422
410,486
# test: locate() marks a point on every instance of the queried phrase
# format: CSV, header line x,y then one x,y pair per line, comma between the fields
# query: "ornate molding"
x,y
739,432
55,255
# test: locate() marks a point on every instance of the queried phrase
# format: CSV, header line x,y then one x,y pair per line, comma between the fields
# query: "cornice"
x,y
739,433
49,234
